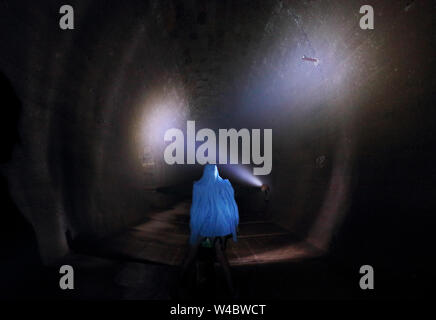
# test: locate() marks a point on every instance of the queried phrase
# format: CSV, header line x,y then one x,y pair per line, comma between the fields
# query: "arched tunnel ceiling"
x,y
88,95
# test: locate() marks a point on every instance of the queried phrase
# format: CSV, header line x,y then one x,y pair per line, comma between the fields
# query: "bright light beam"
x,y
243,174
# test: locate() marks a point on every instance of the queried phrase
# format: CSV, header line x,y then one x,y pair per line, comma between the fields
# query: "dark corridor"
x,y
350,173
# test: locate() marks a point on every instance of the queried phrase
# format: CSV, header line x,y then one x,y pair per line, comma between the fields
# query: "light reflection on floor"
x,y
163,238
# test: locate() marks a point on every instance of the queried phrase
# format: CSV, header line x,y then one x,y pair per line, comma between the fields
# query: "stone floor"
x,y
144,261
163,237
267,262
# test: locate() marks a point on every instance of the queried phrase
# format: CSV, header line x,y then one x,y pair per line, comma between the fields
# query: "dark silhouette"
x,y
18,246
214,218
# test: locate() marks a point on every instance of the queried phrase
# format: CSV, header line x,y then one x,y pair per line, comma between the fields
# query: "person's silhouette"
x,y
214,216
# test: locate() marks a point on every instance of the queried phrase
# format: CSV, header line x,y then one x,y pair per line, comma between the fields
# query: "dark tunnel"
x,y
84,180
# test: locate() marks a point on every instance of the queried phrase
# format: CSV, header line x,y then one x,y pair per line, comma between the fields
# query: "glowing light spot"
x,y
243,174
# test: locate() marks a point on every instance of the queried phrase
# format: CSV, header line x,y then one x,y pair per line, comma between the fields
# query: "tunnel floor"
x,y
163,237
267,262
143,262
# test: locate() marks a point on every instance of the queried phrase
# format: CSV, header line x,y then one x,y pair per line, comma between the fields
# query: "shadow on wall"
x,y
18,244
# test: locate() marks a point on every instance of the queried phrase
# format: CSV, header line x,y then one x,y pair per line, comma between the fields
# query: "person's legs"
x,y
219,249
190,257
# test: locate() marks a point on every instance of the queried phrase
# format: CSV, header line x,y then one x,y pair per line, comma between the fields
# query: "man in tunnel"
x,y
214,217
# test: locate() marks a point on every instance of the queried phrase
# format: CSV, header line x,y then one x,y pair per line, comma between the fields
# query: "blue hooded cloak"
x,y
214,211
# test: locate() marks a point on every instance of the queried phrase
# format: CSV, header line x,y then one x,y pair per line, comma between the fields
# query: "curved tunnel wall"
x,y
89,96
